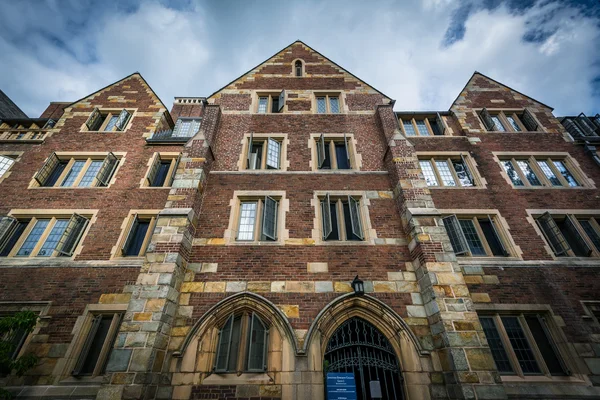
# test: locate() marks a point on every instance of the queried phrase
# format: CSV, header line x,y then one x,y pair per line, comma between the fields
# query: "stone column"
x,y
463,363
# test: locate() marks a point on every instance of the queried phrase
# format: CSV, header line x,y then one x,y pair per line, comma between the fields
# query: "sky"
x,y
420,53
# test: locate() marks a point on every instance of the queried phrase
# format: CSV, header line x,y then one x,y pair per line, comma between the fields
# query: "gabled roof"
x,y
311,49
499,83
8,109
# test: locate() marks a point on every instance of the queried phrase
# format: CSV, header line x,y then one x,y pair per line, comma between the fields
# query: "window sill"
x,y
233,378
457,187
519,263
32,141
68,187
255,243
540,379
431,136
156,187
550,187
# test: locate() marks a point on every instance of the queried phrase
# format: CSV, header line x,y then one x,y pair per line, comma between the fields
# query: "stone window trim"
x,y
282,138
503,115
370,235
126,226
554,324
532,158
478,181
88,156
80,332
303,66
502,229
231,233
341,96
575,216
270,94
41,308
106,114
52,215
591,309
15,156
441,130
153,162
355,157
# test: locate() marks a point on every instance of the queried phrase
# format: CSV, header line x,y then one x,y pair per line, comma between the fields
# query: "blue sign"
x,y
341,386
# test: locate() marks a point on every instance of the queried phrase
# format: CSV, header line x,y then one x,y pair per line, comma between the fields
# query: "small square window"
x,y
341,218
271,103
138,233
263,152
328,104
334,152
163,167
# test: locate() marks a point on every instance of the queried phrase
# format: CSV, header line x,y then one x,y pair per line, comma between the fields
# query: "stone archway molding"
x,y
251,301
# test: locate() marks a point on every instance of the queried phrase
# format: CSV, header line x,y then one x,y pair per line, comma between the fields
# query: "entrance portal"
x,y
358,347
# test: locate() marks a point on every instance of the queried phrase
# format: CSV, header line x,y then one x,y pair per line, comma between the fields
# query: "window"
x,y
571,235
476,236
6,162
442,171
328,104
540,171
298,68
97,345
258,219
508,121
341,218
139,231
263,153
242,344
108,121
522,345
271,103
41,237
333,153
163,167
423,125
186,127
77,171
13,341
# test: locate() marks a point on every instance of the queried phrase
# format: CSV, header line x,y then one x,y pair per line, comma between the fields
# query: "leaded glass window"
x,y
111,123
258,219
248,328
513,123
528,172
53,238
334,105
5,164
512,173
409,129
475,245
263,103
33,237
321,105
247,220
428,173
520,345
445,173
496,345
90,174
73,173
560,166
498,126
423,131
549,173
537,171
476,236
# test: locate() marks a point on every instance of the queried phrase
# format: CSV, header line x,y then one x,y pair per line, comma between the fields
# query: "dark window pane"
x,y
490,235
161,173
51,181
591,232
274,104
256,156
571,237
435,127
496,346
256,344
544,345
335,234
235,344
475,245
341,156
139,234
327,160
21,225
96,347
348,223
521,346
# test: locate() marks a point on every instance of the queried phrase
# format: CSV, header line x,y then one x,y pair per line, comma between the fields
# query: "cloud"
x,y
419,53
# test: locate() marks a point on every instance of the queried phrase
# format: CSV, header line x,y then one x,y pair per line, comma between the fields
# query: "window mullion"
x,y
482,238
22,238
341,223
258,220
264,150
43,237
538,172
148,236
168,182
454,174
87,164
557,173
333,155
436,172
520,173
536,351
505,122
429,127
508,346
243,344
105,122
415,127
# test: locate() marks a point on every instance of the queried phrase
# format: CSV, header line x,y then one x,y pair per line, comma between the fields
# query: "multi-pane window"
x,y
333,153
508,121
242,344
258,219
271,103
41,237
571,235
328,104
449,172
522,345
98,343
5,163
139,231
186,127
108,121
59,171
13,338
263,153
540,171
478,236
341,219
423,125
163,167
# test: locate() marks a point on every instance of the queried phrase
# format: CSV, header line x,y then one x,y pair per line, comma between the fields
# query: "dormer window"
x,y
298,68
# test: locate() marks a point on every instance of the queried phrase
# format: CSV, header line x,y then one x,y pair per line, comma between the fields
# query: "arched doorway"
x,y
358,347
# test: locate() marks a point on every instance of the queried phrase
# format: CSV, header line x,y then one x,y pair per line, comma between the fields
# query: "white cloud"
x,y
397,47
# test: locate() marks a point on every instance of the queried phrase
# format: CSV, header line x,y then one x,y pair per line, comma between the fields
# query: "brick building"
x,y
210,251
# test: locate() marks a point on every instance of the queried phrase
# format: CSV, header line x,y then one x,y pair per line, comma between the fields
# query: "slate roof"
x,y
8,109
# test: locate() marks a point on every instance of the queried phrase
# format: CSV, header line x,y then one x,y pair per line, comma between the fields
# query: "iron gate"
x,y
358,347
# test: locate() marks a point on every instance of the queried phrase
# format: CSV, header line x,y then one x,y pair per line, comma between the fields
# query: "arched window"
x,y
298,68
242,344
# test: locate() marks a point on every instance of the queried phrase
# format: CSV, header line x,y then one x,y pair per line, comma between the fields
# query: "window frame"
x,y
516,114
259,219
128,224
182,120
328,96
500,230
412,120
552,336
106,114
250,138
368,233
575,221
466,159
281,95
294,72
354,158
549,159
87,336
157,158
15,156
